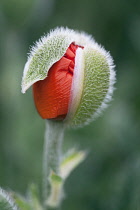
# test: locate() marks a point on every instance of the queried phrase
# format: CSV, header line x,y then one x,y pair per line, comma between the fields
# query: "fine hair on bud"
x,y
90,86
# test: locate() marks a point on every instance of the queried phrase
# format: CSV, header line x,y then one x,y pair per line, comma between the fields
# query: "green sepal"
x,y
47,51
95,87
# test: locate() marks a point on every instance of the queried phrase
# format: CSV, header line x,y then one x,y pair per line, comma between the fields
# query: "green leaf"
x,y
33,196
6,202
21,201
29,203
56,194
71,161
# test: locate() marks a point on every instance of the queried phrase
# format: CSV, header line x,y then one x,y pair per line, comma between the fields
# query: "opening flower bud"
x,y
72,77
52,95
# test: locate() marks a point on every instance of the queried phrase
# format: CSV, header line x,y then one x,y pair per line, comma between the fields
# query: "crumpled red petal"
x,y
52,94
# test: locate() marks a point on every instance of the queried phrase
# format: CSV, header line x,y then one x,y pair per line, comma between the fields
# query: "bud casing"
x,y
93,78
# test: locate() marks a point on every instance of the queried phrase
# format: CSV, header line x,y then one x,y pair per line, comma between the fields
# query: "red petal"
x,y
52,94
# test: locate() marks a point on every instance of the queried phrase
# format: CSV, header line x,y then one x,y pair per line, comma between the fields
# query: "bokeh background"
x,y
109,179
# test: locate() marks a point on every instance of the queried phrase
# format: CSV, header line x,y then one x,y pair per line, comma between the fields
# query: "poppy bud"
x,y
72,77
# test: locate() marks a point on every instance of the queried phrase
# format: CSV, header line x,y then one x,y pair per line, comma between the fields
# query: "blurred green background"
x,y
109,179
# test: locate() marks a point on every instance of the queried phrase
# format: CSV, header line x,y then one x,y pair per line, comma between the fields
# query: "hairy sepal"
x,y
99,78
94,74
47,51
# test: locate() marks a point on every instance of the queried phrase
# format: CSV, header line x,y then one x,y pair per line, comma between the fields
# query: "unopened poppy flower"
x,y
72,77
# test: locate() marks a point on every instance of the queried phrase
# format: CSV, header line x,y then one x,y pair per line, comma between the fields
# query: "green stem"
x,y
52,154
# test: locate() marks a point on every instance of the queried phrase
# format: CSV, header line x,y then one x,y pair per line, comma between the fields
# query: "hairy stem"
x,y
52,154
